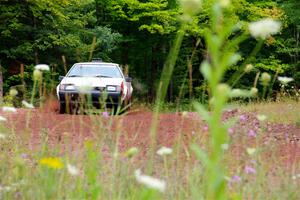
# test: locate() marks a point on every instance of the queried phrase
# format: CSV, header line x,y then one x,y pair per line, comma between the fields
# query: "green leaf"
x,y
201,111
201,155
205,69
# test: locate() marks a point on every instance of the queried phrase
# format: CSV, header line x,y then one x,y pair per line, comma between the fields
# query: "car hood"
x,y
91,81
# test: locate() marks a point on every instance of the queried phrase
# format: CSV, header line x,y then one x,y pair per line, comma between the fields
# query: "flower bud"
x,y
265,78
13,92
248,68
224,89
131,152
225,3
253,91
37,75
190,7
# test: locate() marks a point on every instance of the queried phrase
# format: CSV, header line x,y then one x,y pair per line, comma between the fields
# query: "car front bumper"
x,y
94,97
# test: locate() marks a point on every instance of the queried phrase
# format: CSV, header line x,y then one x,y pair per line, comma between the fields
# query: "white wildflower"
x,y
72,170
5,189
261,117
285,80
164,151
264,28
9,109
2,119
251,151
27,105
149,181
184,114
116,154
2,136
224,146
296,176
42,67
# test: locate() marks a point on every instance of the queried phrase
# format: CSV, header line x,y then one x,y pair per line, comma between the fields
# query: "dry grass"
x,y
287,111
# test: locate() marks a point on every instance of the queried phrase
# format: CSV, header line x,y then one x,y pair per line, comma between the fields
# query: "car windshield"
x,y
98,70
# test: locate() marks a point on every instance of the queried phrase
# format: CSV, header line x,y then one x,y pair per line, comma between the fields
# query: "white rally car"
x,y
94,82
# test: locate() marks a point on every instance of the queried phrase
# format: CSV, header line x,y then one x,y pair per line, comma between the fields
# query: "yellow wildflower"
x,y
53,163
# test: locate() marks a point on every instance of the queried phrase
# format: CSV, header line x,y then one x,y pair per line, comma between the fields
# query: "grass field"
x,y
45,155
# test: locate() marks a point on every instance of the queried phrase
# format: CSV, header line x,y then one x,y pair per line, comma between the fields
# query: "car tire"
x,y
62,108
115,109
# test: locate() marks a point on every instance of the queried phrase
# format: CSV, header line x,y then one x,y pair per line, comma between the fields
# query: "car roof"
x,y
96,62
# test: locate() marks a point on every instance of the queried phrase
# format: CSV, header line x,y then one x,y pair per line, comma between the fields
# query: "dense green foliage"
x,y
138,34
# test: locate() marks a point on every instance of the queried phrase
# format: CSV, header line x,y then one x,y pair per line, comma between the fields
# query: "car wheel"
x,y
115,109
62,108
75,107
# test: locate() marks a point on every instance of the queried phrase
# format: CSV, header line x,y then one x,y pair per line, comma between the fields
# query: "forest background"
x,y
138,34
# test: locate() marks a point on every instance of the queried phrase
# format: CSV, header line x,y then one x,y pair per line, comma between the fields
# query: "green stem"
x,y
235,77
163,86
33,91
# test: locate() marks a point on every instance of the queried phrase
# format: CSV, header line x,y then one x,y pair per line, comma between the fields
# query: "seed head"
x,y
265,78
248,68
253,91
13,92
131,152
37,75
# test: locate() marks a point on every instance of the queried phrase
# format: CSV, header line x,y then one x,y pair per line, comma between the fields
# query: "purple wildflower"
x,y
230,131
286,135
205,128
24,155
243,118
250,170
252,133
235,179
105,114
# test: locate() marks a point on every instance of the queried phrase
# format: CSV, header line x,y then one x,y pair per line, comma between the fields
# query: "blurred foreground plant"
x,y
222,53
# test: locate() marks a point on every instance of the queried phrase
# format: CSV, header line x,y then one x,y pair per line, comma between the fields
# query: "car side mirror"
x,y
128,79
61,78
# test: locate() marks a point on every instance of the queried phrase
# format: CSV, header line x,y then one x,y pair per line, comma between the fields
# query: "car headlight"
x,y
67,87
111,88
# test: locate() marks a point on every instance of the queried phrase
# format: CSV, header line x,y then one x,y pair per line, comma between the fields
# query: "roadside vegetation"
x,y
235,130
